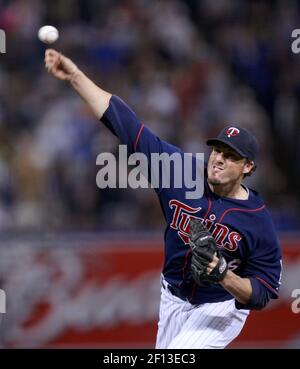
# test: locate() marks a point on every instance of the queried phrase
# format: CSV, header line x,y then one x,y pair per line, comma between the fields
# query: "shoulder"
x,y
258,205
262,226
259,209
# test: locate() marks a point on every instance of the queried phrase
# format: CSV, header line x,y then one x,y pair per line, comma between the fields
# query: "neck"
x,y
236,191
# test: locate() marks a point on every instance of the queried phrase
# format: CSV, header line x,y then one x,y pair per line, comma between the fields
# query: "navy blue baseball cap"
x,y
239,139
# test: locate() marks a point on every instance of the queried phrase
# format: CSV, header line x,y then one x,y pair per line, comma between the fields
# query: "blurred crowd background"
x,y
186,67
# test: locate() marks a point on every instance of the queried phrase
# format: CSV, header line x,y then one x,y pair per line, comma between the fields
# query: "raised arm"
x,y
113,112
64,69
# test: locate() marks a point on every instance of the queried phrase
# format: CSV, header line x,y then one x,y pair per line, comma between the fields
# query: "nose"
x,y
219,157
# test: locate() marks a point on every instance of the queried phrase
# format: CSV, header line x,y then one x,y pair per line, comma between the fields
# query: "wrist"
x,y
76,77
227,278
240,288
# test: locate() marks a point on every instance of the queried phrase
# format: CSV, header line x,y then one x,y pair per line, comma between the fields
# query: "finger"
x,y
61,75
51,52
49,60
51,57
213,264
215,258
50,66
51,63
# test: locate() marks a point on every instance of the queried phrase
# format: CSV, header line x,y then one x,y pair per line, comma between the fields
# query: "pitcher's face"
x,y
225,165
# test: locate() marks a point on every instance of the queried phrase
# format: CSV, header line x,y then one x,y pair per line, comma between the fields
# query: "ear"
x,y
248,167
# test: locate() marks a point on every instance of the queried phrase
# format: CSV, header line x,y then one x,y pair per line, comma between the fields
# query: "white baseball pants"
x,y
207,326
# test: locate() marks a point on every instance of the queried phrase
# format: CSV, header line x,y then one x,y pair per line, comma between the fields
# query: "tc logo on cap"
x,y
232,131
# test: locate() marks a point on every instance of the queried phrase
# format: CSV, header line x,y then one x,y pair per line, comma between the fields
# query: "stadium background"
x,y
80,266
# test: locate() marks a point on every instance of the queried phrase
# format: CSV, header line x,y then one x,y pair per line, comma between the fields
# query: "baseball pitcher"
x,y
222,255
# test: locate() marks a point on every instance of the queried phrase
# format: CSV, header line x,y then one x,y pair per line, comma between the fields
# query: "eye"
x,y
233,157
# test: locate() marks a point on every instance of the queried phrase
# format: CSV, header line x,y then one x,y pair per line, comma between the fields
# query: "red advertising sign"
x,y
106,294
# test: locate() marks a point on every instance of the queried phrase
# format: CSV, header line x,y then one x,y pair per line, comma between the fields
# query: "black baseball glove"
x,y
204,247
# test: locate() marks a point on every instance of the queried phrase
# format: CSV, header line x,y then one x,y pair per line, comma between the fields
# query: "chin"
x,y
214,181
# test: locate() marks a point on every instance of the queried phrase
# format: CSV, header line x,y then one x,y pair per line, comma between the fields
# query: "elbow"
x,y
258,305
252,304
259,299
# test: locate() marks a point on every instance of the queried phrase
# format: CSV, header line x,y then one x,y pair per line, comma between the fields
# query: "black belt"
x,y
174,291
166,285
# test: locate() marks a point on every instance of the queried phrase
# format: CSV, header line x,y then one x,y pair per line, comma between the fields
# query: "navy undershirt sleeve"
x,y
259,299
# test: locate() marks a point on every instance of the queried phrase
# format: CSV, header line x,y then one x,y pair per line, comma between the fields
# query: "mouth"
x,y
217,169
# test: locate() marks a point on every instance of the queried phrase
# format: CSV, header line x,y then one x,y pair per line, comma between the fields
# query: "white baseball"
x,y
48,34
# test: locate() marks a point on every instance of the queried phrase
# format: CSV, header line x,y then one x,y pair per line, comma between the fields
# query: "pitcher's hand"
x,y
59,66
